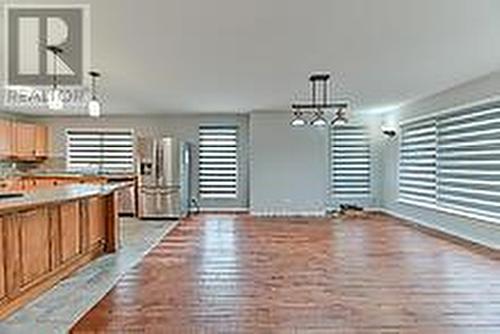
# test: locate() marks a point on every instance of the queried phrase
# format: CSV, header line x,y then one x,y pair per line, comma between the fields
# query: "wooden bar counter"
x,y
49,233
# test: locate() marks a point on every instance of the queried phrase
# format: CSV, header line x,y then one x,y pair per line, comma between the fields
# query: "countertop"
x,y
58,194
67,174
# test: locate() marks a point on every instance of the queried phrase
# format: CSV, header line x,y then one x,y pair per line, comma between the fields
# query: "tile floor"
x,y
58,309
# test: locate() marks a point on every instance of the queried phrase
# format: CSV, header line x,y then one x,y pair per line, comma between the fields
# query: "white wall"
x,y
470,92
184,127
288,166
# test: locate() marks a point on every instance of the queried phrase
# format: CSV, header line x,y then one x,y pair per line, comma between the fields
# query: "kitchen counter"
x,y
50,232
59,194
76,175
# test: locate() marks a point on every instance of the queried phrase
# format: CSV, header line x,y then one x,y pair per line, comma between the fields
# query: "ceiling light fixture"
x,y
298,119
94,104
319,120
340,118
55,100
318,109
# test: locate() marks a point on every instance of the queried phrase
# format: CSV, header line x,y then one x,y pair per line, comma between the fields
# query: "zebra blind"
x,y
218,161
417,164
350,161
105,150
469,161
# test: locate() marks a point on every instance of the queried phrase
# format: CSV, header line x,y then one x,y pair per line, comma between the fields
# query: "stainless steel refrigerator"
x,y
164,178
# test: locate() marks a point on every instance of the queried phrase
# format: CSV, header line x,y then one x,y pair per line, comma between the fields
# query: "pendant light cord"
x,y
93,88
54,53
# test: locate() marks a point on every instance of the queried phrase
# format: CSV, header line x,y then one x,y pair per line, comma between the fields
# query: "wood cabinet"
x,y
41,245
6,138
23,141
41,141
3,287
34,235
69,227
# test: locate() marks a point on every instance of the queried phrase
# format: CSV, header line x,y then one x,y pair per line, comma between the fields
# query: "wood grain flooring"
x,y
239,274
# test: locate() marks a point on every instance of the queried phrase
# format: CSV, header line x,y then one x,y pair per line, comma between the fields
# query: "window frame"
x,y
487,104
362,196
424,200
130,169
235,174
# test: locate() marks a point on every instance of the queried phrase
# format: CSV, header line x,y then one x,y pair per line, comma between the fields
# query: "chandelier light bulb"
x,y
94,108
298,120
319,121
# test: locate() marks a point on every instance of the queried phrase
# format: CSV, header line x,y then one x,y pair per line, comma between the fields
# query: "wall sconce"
x,y
389,131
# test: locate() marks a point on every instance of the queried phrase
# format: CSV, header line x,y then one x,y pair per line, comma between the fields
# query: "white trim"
x,y
223,210
442,229
320,214
477,219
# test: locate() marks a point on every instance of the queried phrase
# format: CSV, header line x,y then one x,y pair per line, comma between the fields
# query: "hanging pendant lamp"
x,y
55,99
94,105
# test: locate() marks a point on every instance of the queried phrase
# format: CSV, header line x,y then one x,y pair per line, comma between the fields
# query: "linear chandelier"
x,y
319,83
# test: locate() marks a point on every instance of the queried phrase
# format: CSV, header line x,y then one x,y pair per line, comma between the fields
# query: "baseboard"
x,y
288,214
439,231
223,210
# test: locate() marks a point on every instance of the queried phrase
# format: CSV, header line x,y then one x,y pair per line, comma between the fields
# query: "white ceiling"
x,y
237,56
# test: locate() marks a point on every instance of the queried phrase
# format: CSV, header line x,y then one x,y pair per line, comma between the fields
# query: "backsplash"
x,y
7,168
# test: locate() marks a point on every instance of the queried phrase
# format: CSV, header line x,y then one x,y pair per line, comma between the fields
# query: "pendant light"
x,y
298,120
340,118
94,104
319,120
320,83
54,99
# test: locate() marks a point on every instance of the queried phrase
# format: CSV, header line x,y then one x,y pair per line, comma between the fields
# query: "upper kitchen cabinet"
x,y
6,138
41,141
23,141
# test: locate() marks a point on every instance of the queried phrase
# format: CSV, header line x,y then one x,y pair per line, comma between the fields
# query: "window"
x,y
452,161
350,162
104,150
469,161
417,167
218,161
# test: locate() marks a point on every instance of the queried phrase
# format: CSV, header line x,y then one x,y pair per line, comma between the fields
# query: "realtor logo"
x,y
31,68
30,31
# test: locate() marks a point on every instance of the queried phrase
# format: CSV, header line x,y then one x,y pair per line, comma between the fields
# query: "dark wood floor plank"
x,y
238,274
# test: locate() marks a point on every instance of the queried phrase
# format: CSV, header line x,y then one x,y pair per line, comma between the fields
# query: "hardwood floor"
x,y
238,274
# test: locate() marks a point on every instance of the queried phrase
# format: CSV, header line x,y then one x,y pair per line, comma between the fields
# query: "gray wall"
x,y
288,166
470,92
181,126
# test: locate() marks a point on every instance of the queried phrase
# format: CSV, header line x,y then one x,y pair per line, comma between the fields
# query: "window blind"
x,y
218,161
469,161
105,150
350,161
417,164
